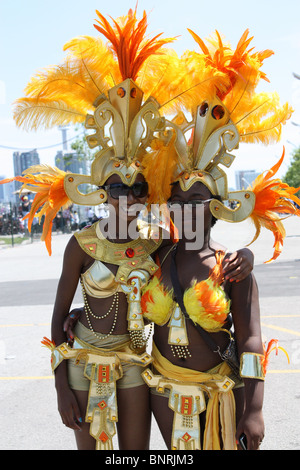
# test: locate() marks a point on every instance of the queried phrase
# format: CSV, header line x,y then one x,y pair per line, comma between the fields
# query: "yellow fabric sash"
x,y
220,406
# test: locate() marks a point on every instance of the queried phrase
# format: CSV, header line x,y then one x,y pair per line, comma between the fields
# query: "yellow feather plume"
x,y
95,61
46,342
66,93
159,168
259,117
156,302
265,128
31,114
207,305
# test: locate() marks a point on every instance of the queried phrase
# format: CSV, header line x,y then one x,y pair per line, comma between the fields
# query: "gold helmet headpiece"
x,y
231,113
113,88
98,84
210,125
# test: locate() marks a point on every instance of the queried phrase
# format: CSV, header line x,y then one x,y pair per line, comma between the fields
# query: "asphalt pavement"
x,y
28,281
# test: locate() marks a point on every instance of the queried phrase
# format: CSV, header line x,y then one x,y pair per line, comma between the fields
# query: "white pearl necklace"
x,y
89,312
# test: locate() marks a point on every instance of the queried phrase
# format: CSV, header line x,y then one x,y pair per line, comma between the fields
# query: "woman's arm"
x,y
72,266
246,318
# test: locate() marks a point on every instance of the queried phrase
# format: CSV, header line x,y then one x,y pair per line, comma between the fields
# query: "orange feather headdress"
x,y
228,111
258,116
66,93
125,84
268,348
220,94
85,83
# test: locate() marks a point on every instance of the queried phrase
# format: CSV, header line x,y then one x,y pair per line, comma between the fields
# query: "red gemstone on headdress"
x,y
129,253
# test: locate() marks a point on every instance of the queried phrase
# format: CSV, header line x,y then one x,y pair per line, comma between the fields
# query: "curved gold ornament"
x,y
244,202
73,181
200,157
123,129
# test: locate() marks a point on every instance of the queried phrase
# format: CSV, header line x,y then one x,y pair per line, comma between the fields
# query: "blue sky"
x,y
32,34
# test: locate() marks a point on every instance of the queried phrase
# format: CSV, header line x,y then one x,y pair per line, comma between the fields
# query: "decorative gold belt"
x,y
103,368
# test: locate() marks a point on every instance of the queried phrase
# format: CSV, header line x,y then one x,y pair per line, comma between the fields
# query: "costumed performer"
x,y
98,380
207,383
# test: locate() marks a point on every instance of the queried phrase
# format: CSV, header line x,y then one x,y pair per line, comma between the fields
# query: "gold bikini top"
x,y
98,280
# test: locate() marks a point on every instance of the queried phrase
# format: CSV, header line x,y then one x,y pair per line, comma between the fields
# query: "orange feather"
x,y
48,343
127,38
48,184
273,199
271,346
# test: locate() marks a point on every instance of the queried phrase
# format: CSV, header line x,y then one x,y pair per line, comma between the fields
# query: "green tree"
x,y
81,147
292,176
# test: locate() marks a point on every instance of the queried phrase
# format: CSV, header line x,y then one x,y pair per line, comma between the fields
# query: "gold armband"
x,y
251,366
58,353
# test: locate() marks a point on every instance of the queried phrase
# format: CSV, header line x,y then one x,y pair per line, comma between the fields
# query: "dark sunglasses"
x,y
116,190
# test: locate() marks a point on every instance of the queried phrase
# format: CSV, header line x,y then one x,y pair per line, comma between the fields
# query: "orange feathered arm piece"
x,y
127,38
50,196
274,199
48,343
271,346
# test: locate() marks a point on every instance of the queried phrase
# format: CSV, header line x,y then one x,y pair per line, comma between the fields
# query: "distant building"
x,y
244,178
71,162
6,191
22,161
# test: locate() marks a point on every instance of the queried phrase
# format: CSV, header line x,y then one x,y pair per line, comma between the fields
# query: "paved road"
x,y
28,279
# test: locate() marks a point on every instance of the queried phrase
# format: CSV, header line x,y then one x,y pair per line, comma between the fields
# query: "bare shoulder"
x,y
74,255
216,246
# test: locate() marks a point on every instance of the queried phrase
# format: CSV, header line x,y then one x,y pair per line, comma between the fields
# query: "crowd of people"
x,y
12,220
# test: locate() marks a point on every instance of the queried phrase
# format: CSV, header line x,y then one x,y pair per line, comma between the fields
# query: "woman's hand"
x,y
252,425
70,322
68,408
238,265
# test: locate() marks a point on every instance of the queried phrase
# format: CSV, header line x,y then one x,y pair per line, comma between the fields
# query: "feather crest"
x,y
259,116
48,343
159,168
127,38
48,184
273,199
237,64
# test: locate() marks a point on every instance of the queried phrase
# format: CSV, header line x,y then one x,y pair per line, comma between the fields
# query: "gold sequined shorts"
x,y
131,372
